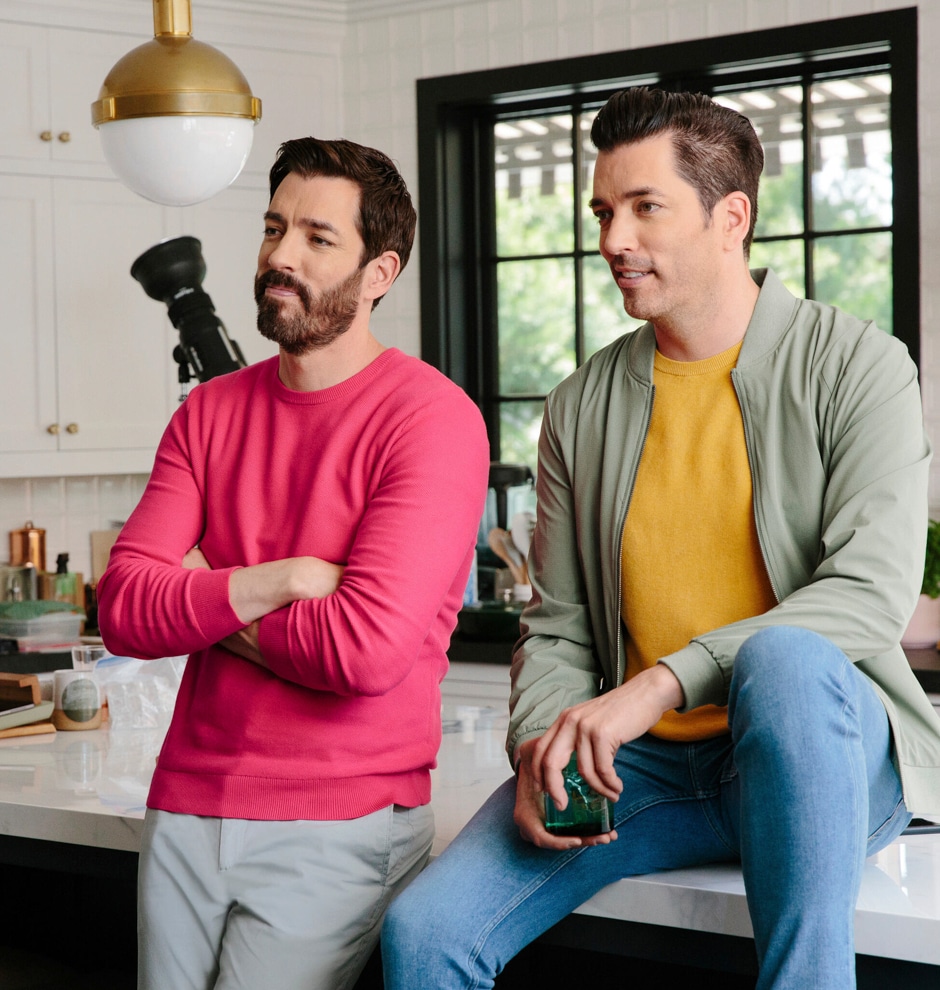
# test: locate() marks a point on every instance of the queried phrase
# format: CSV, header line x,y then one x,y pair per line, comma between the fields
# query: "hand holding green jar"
x,y
587,812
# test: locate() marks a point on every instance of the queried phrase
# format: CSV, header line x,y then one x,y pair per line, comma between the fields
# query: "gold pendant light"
x,y
176,116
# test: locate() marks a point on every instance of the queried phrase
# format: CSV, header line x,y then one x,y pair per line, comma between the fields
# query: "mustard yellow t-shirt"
x,y
691,560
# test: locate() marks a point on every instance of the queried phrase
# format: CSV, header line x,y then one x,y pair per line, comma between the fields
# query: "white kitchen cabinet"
x,y
27,278
24,77
88,382
50,78
53,75
114,352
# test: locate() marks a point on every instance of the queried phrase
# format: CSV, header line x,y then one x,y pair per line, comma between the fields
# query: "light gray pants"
x,y
242,905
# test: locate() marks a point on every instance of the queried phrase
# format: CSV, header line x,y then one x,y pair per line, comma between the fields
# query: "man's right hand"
x,y
529,814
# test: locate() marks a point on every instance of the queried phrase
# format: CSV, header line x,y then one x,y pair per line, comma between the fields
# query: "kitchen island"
x,y
74,802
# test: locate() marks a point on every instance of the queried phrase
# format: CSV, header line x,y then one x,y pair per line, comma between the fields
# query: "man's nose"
x,y
619,236
283,256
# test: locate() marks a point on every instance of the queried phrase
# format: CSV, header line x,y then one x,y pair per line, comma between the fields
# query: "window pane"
x,y
542,210
852,153
589,228
519,425
786,259
534,186
854,272
536,324
777,116
604,316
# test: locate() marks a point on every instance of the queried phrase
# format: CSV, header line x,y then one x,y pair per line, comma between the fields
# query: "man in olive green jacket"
x,y
809,379
732,510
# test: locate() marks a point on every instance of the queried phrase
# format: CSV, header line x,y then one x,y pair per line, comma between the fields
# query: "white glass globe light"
x,y
177,161
176,116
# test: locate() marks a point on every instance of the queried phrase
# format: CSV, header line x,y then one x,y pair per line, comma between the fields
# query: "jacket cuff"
x,y
702,679
512,746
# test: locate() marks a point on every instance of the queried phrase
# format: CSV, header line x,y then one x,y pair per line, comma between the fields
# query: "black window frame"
x,y
455,117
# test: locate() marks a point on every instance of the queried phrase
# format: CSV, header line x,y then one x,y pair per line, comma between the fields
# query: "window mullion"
x,y
809,156
577,165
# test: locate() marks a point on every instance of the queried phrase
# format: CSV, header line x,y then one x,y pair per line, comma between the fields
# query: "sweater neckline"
x,y
342,390
723,361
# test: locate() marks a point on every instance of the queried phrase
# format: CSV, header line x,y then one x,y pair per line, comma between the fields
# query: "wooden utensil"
x,y
501,544
521,529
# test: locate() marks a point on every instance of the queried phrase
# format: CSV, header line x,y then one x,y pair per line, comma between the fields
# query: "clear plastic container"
x,y
44,631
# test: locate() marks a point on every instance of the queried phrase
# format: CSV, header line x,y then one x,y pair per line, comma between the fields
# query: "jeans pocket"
x,y
728,773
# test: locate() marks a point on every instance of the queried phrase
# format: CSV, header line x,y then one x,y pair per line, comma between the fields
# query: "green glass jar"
x,y
587,812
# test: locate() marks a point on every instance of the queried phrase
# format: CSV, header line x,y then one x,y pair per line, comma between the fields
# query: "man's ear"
x,y
379,275
736,218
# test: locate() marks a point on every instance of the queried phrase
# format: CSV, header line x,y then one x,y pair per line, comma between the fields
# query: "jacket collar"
x,y
772,315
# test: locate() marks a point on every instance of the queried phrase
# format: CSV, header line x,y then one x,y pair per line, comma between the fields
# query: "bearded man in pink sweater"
x,y
305,537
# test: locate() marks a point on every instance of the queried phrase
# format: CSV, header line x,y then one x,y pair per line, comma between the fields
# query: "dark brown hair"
x,y
716,149
386,220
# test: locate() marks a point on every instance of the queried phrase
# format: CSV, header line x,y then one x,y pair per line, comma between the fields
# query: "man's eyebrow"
x,y
629,194
309,222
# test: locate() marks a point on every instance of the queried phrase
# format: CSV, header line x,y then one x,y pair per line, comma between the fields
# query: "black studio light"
x,y
172,272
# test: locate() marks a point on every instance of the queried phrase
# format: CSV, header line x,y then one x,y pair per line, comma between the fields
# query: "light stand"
x,y
172,272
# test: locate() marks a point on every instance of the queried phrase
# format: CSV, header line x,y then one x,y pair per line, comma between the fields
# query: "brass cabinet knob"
x,y
53,428
45,136
65,137
72,428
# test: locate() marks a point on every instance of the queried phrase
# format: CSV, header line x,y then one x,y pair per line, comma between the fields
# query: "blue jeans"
x,y
802,790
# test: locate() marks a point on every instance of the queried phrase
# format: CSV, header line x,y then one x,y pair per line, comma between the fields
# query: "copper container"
x,y
28,546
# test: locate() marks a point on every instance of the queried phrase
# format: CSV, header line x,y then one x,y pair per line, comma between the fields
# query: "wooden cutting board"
x,y
33,729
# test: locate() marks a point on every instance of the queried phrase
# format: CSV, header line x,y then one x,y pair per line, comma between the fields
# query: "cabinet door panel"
x,y
115,368
27,367
24,81
79,62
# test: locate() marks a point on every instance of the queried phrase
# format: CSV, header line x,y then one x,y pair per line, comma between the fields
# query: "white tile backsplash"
x,y
68,509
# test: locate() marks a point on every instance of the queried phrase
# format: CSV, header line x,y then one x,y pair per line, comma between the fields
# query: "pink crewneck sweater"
x,y
385,473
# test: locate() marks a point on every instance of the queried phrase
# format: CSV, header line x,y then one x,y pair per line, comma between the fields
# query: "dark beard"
x,y
323,319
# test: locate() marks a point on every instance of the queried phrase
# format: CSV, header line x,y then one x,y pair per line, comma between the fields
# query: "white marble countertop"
x,y
85,788
89,788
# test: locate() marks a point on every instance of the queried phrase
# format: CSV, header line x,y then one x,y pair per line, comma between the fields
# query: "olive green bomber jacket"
x,y
838,456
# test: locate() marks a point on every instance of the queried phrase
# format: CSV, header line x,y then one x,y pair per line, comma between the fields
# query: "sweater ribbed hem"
x,y
280,799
